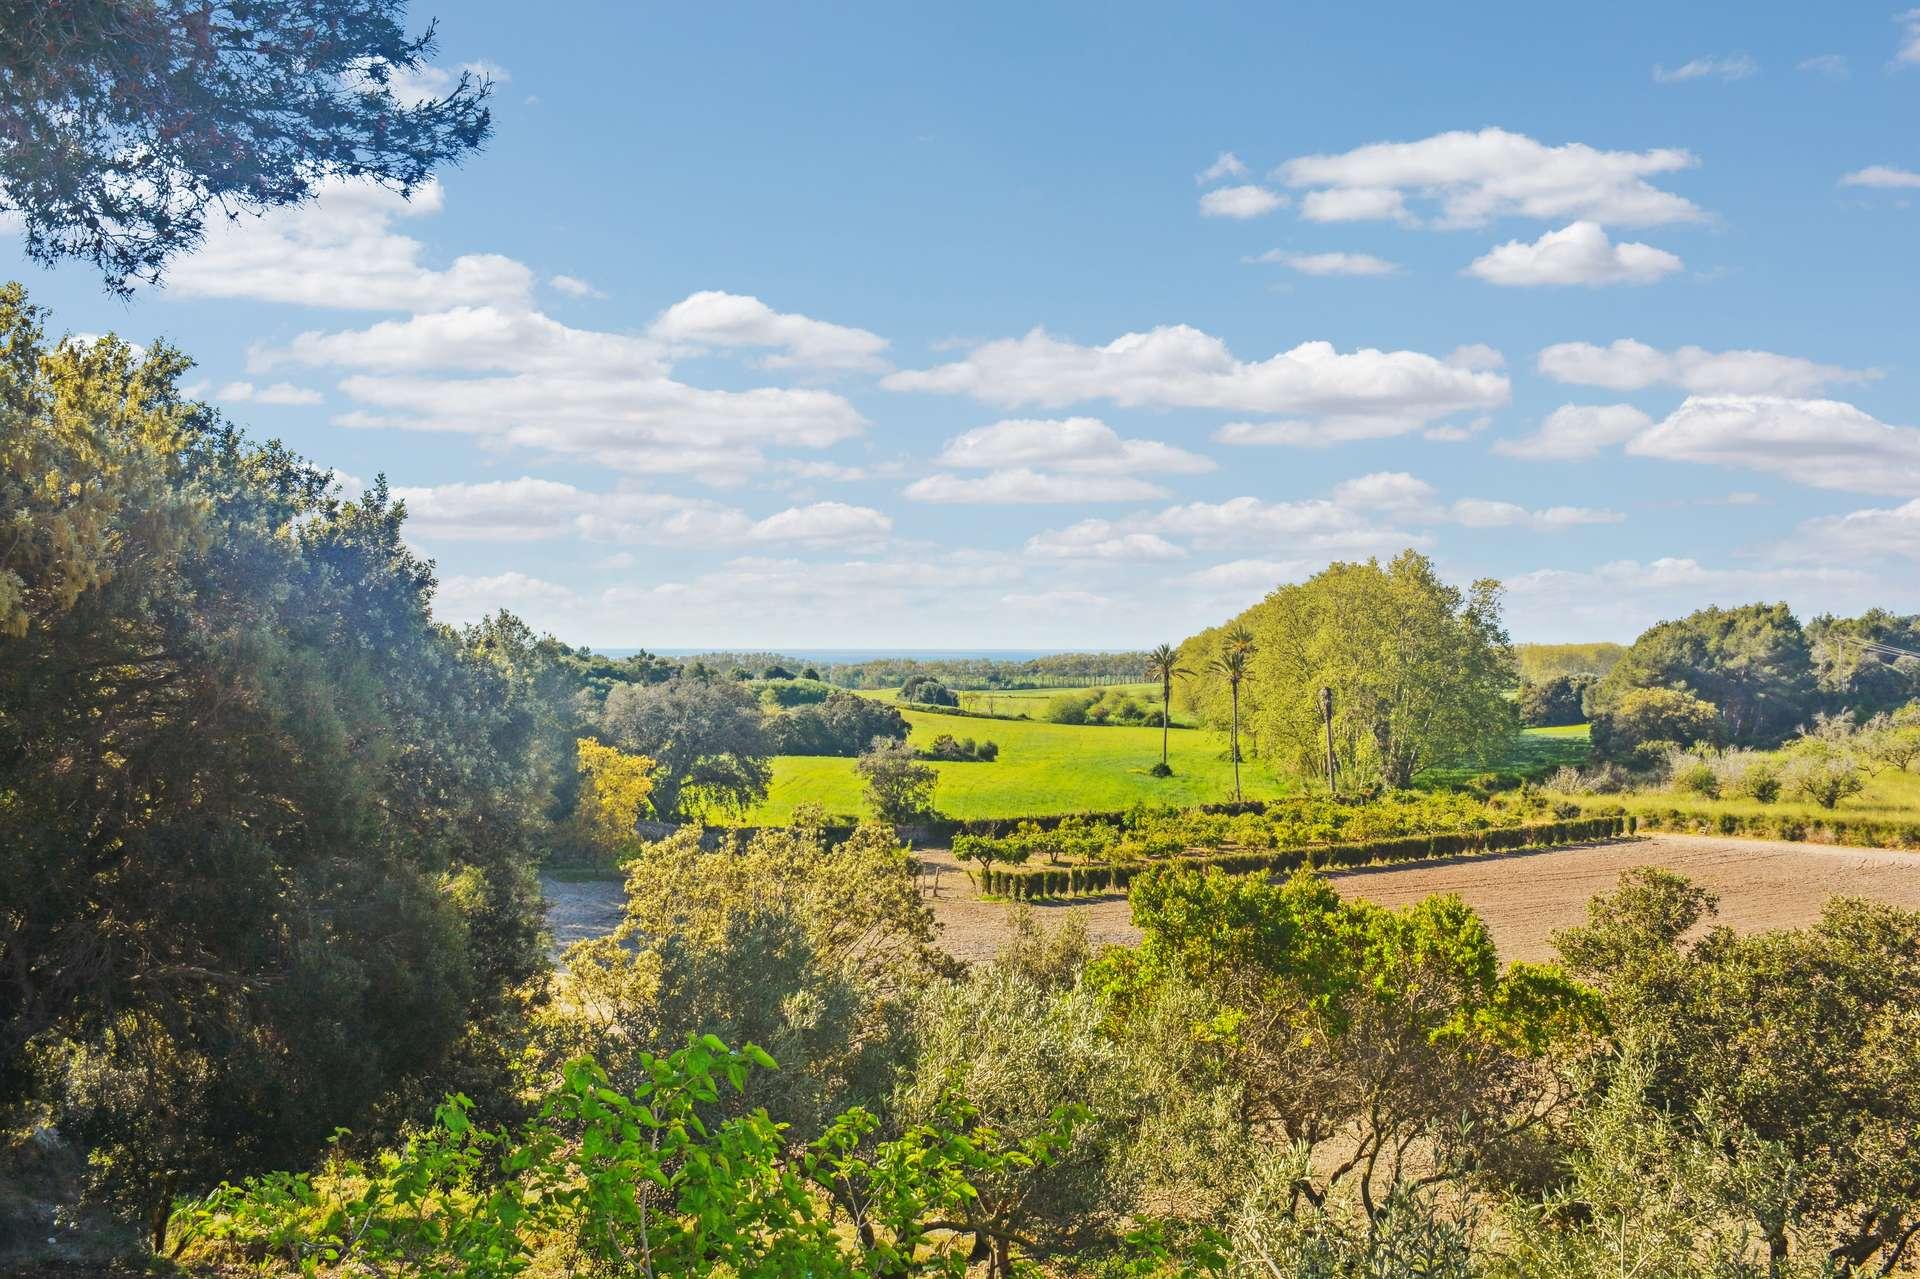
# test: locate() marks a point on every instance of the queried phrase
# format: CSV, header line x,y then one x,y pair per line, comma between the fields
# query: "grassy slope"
x,y
1062,768
1043,768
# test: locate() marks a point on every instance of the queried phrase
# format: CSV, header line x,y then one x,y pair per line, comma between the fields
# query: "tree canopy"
x,y
265,827
1751,662
126,125
1419,669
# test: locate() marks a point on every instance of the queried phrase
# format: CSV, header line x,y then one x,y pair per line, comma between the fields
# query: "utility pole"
x,y
1326,714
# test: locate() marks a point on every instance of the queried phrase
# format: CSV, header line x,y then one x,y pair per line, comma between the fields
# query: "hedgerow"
x,y
1853,832
1026,882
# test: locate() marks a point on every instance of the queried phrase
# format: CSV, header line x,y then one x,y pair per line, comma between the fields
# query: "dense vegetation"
x,y
1419,673
265,829
1276,1081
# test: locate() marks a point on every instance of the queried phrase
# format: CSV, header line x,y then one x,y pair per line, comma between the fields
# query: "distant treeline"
x,y
1056,670
1542,662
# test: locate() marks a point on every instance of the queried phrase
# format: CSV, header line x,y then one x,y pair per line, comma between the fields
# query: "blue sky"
x,y
1010,326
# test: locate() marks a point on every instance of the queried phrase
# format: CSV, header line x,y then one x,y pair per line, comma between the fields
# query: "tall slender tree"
x,y
1231,663
1163,665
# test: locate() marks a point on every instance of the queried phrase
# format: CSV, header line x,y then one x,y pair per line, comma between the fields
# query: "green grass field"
x,y
1043,768
1065,768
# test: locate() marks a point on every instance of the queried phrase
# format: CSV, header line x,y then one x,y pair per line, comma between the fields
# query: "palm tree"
x,y
1163,664
1236,655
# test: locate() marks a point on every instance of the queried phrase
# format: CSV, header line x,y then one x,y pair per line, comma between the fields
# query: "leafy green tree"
x,y
925,690
127,124
1558,701
1420,671
899,784
1753,663
1163,668
842,723
634,1181
1866,664
1541,662
266,829
1796,1042
1652,719
1022,1042
816,950
1347,1029
707,738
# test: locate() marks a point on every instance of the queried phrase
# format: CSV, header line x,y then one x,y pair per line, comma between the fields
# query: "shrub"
x,y
1761,783
925,690
1695,776
950,749
1819,772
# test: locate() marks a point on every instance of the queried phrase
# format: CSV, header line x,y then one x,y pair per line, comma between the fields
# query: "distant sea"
x,y
842,656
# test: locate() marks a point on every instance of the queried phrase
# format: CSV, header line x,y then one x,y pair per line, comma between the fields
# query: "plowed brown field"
x,y
1525,896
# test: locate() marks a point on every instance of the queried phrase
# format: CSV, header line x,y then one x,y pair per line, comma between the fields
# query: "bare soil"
x,y
1523,897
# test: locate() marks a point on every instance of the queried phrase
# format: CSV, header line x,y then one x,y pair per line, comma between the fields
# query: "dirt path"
x,y
1524,897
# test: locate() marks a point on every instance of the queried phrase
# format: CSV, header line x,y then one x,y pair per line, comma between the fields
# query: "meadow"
x,y
1069,768
1043,768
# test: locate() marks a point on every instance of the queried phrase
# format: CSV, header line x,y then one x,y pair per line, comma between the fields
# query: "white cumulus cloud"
x,y
1731,66
1023,486
1240,202
341,251
1574,432
1080,444
574,287
1885,177
1627,365
285,393
1181,367
1331,263
1577,254
1225,165
716,319
1824,443
1474,177
1101,540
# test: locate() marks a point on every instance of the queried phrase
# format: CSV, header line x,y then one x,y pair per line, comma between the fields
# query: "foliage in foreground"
x,y
126,123
645,1181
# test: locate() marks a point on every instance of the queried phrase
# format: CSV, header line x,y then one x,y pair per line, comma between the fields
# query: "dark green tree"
x,y
899,785
128,124
707,738
1752,662
265,828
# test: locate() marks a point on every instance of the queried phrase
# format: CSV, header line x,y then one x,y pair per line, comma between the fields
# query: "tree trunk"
x,y
1236,741
1166,704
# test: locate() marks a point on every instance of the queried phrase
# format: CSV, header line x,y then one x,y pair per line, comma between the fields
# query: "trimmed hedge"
x,y
1849,831
1026,883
